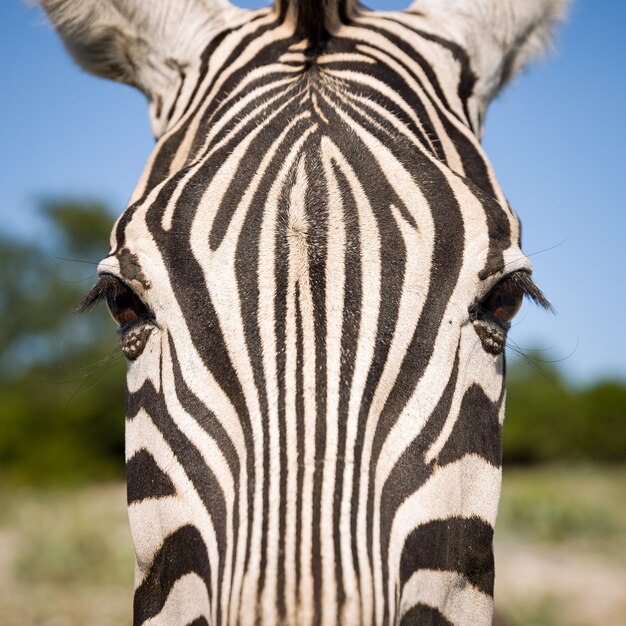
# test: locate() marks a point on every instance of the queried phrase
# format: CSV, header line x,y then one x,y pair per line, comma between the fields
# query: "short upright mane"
x,y
314,18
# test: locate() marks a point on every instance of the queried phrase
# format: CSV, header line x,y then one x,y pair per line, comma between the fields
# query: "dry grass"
x,y
66,557
561,547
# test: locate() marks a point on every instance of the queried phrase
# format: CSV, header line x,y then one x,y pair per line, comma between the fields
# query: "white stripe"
x,y
459,602
335,284
188,600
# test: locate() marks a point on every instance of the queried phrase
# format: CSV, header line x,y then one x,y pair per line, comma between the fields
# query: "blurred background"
x,y
74,147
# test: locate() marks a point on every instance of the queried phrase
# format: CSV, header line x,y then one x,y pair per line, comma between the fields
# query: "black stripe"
x,y
422,615
316,203
351,326
477,429
183,552
451,545
145,479
281,275
301,432
201,621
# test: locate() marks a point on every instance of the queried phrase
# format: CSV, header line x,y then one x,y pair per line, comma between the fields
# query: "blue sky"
x,y
556,137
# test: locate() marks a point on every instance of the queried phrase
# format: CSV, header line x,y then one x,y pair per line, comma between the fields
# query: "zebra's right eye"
x,y
125,306
505,300
134,319
492,316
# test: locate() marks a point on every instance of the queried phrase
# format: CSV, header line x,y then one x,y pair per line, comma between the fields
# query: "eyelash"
x,y
108,286
520,284
516,285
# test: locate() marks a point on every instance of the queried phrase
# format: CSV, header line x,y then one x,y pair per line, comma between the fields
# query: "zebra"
x,y
313,283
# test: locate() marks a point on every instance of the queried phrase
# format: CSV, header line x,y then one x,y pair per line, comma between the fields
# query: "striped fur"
x,y
314,414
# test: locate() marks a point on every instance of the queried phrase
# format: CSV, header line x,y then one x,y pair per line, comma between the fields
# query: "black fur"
x,y
313,17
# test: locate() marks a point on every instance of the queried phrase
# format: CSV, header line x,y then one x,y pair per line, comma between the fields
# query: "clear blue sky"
x,y
557,139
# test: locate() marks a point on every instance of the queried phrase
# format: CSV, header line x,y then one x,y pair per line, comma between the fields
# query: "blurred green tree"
x,y
548,419
61,375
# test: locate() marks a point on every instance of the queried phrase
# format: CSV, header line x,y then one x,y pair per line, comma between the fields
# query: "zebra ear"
x,y
500,36
144,43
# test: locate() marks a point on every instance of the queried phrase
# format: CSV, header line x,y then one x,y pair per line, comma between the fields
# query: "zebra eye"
x,y
503,303
124,306
492,317
133,317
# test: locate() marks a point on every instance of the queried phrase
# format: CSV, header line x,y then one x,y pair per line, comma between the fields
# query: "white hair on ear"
x,y
499,36
144,43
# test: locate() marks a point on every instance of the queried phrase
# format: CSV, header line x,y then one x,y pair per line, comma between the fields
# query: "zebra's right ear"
x,y
144,43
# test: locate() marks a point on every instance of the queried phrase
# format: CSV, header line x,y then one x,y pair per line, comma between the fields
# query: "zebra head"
x,y
313,282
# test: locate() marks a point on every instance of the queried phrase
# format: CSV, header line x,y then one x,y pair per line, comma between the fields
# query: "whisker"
x,y
529,356
96,263
80,280
531,361
537,253
94,376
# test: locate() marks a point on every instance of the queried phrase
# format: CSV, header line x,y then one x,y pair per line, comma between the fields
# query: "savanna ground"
x,y
66,558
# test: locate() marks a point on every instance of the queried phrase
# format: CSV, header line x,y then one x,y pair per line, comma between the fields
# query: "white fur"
x,y
149,44
500,36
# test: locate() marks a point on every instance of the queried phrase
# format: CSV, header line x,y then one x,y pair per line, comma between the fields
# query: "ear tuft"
x,y
499,36
523,31
100,38
143,43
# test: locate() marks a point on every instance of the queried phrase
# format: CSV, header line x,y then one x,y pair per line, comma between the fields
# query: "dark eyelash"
x,y
108,286
519,284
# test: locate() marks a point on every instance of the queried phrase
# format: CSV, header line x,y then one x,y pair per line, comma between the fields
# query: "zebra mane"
x,y
314,18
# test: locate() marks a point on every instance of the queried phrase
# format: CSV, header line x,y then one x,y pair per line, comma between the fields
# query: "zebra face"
x,y
313,283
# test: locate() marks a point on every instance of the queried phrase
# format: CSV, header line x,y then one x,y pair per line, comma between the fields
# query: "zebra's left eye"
x,y
492,316
505,300
503,303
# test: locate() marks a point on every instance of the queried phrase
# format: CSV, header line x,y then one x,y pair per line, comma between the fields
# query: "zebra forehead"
x,y
301,198
306,179
385,132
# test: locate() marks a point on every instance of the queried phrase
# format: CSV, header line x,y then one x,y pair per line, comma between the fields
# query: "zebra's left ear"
x,y
145,43
499,36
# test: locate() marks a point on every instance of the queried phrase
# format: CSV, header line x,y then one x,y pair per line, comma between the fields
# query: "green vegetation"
x,y
66,557
560,546
549,420
61,375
